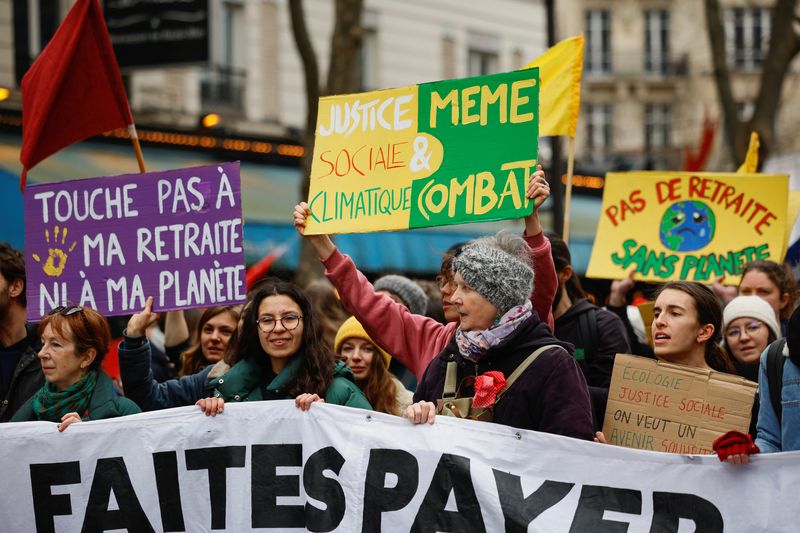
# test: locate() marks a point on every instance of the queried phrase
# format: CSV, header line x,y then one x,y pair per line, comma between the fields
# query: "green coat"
x,y
243,383
103,404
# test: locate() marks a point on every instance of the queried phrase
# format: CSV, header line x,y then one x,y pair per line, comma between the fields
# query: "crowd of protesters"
x,y
508,335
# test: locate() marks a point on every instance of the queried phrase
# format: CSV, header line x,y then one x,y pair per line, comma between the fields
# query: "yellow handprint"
x,y
57,257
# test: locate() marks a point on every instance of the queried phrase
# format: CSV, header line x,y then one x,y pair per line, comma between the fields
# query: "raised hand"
x,y
138,324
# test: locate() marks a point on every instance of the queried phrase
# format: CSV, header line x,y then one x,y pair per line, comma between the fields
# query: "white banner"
x,y
267,466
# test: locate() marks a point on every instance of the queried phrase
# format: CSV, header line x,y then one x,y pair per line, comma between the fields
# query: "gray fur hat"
x,y
408,291
499,268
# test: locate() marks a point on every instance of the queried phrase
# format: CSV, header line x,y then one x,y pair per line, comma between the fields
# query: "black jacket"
x,y
549,396
595,356
27,377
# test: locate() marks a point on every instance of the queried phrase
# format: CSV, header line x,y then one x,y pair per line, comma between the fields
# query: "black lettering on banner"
x,y
451,475
266,486
595,500
47,505
165,467
518,511
378,498
111,474
670,507
324,489
217,461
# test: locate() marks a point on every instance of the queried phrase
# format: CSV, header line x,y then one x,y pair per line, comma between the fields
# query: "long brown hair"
x,y
379,387
192,359
709,311
316,371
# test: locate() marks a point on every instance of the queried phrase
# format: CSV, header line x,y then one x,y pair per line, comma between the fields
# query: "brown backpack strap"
x,y
523,366
450,380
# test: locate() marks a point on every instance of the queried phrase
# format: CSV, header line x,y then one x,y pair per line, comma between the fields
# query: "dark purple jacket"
x,y
550,396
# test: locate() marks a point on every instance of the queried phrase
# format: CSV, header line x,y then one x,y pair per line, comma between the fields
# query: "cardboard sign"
x,y
690,226
426,155
109,243
653,405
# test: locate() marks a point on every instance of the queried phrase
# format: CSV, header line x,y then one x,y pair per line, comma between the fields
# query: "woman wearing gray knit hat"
x,y
404,291
497,333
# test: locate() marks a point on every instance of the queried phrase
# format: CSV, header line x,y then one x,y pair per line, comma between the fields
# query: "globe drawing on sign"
x,y
687,226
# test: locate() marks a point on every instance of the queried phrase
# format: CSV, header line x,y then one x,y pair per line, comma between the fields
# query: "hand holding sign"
x,y
322,243
138,323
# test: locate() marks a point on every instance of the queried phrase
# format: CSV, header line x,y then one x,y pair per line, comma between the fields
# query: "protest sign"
x,y
267,466
653,405
109,243
689,226
426,155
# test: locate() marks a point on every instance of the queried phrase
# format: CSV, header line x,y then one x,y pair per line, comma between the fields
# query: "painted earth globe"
x,y
687,226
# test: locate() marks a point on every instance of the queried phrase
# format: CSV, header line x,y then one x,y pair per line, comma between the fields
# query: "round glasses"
x,y
750,328
289,322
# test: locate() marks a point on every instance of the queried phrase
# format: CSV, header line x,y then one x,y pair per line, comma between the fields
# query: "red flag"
x,y
695,161
73,90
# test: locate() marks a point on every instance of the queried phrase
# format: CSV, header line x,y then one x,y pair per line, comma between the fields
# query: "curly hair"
x,y
316,371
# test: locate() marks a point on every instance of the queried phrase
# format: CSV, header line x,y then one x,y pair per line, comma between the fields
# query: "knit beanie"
x,y
496,271
352,329
408,291
751,307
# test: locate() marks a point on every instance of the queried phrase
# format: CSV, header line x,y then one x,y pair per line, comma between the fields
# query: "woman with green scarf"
x,y
74,341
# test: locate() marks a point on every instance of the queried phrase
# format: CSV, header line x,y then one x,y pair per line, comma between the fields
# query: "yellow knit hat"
x,y
352,328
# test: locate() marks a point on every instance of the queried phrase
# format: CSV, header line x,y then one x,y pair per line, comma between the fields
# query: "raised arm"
x,y
412,339
545,280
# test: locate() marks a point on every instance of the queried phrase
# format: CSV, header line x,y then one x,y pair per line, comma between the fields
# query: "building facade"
x,y
648,79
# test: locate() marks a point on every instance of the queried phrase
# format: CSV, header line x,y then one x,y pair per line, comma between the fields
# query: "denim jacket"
x,y
774,435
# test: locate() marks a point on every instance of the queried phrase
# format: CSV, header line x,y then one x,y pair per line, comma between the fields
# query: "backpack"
x,y
587,331
453,403
774,371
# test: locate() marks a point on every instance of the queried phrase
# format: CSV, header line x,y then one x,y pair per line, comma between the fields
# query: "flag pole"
x,y
568,196
137,147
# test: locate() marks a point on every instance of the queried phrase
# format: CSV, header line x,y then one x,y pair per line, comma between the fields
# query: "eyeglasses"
x,y
289,322
442,281
64,310
750,328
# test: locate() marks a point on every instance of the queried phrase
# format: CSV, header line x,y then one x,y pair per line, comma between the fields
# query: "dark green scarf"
x,y
51,404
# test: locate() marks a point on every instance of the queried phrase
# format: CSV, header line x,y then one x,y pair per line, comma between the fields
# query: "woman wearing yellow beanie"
x,y
384,391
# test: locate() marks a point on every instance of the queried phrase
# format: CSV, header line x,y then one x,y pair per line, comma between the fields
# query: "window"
x,y
599,124
656,41
657,126
223,83
598,41
746,36
482,54
368,64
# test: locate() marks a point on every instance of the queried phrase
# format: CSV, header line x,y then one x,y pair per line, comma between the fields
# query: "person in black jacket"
x,y
20,371
597,334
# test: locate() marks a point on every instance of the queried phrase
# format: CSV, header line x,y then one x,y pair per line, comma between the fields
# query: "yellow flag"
x,y
750,164
560,70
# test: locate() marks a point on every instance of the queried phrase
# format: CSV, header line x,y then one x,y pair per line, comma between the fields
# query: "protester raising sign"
x,y
689,226
109,243
664,407
341,469
426,155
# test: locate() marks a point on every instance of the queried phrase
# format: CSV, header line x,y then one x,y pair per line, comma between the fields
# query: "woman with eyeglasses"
x,y
415,340
74,341
749,326
279,355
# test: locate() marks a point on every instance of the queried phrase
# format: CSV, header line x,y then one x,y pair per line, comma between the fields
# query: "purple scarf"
x,y
474,344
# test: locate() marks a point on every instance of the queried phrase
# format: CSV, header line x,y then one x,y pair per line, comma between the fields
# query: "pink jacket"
x,y
415,339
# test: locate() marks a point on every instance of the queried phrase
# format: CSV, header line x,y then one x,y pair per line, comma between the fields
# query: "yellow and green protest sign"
x,y
426,155
690,226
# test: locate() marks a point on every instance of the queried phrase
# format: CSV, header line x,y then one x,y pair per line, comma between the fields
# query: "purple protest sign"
x,y
109,243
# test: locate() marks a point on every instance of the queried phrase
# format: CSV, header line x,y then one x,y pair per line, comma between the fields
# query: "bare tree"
x,y
784,45
343,77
